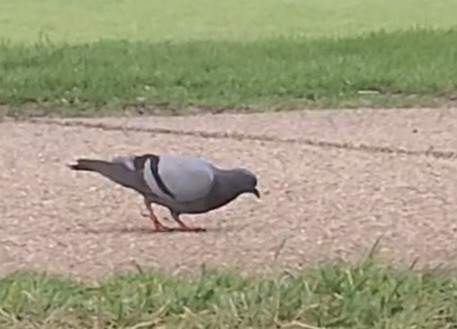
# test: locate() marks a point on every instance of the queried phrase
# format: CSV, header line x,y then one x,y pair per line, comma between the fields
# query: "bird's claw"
x,y
165,229
192,229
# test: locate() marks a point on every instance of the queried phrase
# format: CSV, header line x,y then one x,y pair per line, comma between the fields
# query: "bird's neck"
x,y
225,188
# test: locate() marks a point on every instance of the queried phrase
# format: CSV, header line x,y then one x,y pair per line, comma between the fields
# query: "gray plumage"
x,y
185,185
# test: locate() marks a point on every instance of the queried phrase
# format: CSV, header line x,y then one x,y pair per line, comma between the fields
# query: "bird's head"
x,y
246,181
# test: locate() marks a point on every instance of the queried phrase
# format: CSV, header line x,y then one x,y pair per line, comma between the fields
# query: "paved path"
x,y
333,182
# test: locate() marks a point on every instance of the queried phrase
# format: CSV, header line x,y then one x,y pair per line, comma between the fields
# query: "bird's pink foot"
x,y
192,229
158,227
184,228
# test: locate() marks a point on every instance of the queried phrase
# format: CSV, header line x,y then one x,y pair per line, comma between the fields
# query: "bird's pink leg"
x,y
158,227
184,228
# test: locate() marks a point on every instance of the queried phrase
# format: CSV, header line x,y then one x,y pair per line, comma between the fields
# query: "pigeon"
x,y
183,184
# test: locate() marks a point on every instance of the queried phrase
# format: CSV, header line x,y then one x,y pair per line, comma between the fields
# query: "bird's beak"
x,y
256,192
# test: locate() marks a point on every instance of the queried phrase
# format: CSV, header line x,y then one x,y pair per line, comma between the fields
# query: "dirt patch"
x,y
320,202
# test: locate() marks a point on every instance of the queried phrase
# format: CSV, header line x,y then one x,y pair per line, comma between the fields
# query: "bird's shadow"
x,y
148,230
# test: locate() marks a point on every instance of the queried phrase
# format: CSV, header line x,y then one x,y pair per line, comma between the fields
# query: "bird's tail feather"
x,y
89,165
116,172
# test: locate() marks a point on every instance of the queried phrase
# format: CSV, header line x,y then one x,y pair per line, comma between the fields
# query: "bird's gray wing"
x,y
186,179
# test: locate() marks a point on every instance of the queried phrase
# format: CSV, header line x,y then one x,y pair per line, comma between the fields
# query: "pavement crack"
x,y
360,147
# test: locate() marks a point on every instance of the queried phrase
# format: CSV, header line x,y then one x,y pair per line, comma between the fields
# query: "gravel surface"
x,y
333,182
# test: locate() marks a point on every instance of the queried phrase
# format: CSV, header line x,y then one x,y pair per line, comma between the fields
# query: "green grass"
x,y
280,73
340,296
79,57
72,21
